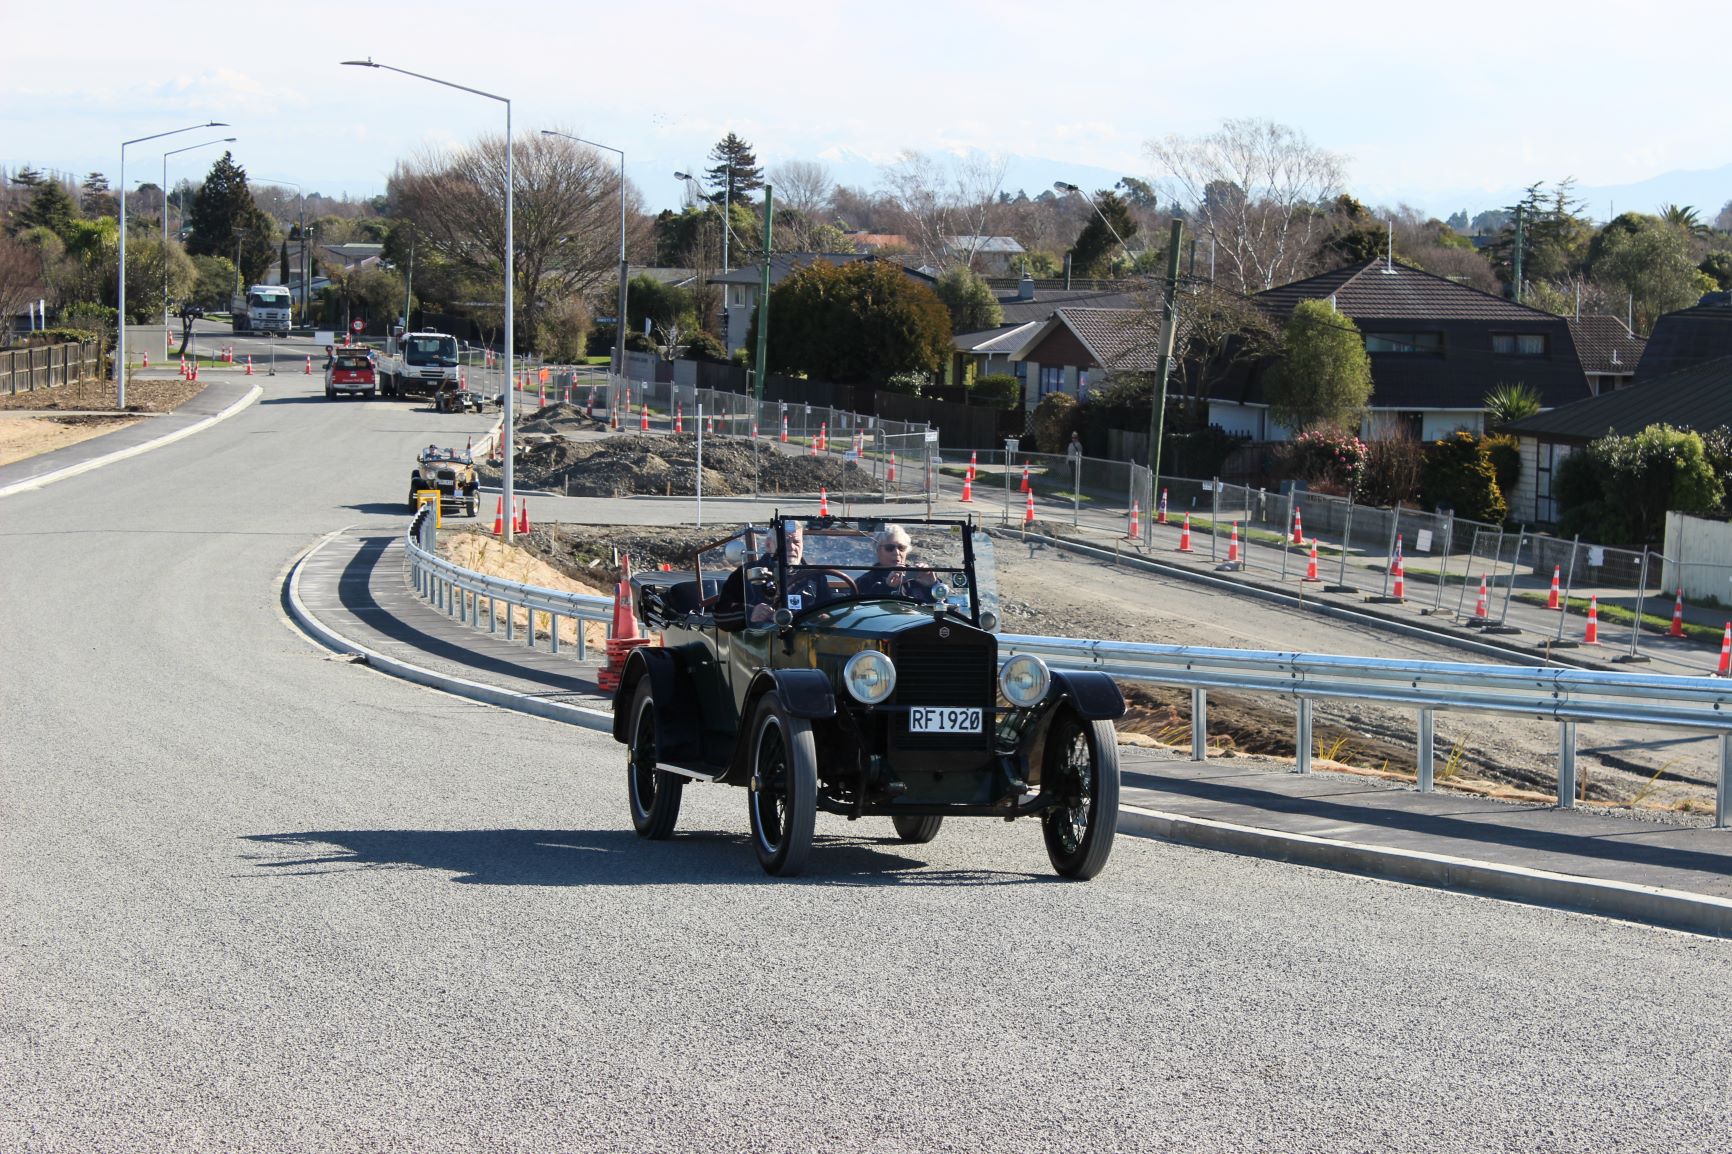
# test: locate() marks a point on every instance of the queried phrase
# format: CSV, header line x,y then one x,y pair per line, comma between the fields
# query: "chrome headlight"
x,y
1024,680
869,677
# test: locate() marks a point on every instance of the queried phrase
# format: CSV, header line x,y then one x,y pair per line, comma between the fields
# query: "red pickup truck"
x,y
350,372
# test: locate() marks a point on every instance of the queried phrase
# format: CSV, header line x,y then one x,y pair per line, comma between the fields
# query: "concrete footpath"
x,y
349,591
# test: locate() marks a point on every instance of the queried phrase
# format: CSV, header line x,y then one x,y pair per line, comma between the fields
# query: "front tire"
x,y
654,793
1082,768
916,830
782,800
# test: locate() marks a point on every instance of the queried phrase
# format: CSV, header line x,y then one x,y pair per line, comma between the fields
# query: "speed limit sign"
x,y
358,325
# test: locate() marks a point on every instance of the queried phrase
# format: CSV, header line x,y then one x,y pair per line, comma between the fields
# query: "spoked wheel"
x,y
1082,768
916,830
783,798
654,793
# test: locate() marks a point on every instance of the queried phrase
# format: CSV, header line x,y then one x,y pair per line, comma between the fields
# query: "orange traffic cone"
x,y
812,447
968,490
309,369
1298,527
147,360
680,417
711,430
1592,635
1553,599
1725,667
890,471
1479,605
499,517
1161,515
1400,576
1233,546
824,436
1677,629
1028,512
1311,565
973,463
643,422
784,428
1135,530
613,419
1025,487
624,620
249,364
1185,536
195,370
823,501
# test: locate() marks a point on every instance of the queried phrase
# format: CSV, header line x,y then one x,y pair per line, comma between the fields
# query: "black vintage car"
x,y
850,665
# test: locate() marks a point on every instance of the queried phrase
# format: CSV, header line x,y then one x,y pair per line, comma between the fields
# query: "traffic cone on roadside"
x,y
643,422
1400,576
1028,511
1185,536
1135,530
249,364
1233,546
1554,598
968,490
784,428
1591,636
1298,527
1025,479
591,413
711,430
1161,516
1479,606
1677,629
624,626
499,517
147,360
613,419
812,447
1311,565
680,417
823,501
195,370
973,463
309,369
824,437
1724,669
890,471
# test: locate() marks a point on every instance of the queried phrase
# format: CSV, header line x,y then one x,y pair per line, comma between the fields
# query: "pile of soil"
x,y
631,465
590,553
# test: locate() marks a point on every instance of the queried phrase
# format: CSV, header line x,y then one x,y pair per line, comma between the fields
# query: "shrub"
x,y
996,390
1506,461
1509,403
60,336
1055,419
1459,475
1328,460
705,347
639,343
1622,487
910,383
1394,469
600,341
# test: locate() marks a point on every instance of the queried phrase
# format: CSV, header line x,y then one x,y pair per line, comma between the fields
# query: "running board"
x,y
693,774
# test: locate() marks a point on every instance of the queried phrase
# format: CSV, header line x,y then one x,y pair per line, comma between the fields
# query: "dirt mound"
x,y
555,419
628,465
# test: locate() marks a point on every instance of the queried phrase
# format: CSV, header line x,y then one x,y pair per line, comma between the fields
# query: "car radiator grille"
x,y
956,672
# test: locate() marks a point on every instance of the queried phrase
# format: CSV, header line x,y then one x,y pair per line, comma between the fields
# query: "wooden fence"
x,y
48,367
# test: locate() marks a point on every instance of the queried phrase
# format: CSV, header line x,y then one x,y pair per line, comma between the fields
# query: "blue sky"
x,y
1447,109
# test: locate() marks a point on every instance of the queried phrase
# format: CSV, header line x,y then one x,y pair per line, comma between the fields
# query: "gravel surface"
x,y
252,898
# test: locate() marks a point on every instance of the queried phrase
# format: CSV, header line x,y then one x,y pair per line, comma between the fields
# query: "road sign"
x,y
358,325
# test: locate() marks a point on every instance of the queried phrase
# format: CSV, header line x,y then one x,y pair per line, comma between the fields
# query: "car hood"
x,y
868,619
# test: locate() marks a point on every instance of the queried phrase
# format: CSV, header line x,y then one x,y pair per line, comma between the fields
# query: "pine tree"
x,y
52,207
1096,247
736,174
223,213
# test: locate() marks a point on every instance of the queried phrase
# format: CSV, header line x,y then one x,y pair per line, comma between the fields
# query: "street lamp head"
x,y
367,63
682,176
215,124
1061,186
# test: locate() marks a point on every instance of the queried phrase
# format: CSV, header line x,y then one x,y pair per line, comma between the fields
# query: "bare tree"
x,y
1257,191
803,188
938,200
21,279
565,216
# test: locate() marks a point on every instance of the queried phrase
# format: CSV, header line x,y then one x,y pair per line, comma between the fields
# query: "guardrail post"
x,y
492,615
1199,724
510,621
530,631
1720,819
1566,765
553,633
1427,740
1302,739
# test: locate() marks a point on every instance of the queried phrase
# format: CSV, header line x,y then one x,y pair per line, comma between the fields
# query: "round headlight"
x,y
1024,680
869,676
989,620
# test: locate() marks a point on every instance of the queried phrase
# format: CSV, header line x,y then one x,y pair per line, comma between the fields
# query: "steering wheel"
x,y
844,584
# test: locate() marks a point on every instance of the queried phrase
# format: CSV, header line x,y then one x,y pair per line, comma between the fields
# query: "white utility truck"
x,y
263,308
417,364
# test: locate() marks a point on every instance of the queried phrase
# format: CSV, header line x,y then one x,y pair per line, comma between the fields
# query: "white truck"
x,y
418,364
263,308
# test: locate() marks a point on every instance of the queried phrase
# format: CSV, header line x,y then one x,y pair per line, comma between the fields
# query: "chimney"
x,y
1025,286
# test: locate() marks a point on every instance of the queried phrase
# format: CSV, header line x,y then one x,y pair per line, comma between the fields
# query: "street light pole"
x,y
618,329
165,156
1061,186
508,439
120,313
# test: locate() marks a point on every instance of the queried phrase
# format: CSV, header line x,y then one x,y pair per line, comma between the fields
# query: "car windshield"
x,y
270,300
430,350
832,560
459,456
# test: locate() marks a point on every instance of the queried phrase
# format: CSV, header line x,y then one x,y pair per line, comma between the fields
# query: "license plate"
x,y
934,719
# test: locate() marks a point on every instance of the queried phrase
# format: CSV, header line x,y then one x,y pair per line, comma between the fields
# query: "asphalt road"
x,y
252,898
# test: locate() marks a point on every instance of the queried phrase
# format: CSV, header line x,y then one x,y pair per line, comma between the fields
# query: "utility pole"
x,y
1169,330
764,298
1518,256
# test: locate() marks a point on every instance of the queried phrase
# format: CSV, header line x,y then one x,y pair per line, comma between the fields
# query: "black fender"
x,y
804,692
680,730
1092,696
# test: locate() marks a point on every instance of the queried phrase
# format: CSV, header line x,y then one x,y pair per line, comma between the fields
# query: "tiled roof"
x,y
985,244
1686,337
1373,291
1699,397
1045,304
1605,345
1121,340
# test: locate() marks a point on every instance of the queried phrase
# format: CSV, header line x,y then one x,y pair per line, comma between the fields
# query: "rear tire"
x,y
654,794
916,830
782,801
1082,768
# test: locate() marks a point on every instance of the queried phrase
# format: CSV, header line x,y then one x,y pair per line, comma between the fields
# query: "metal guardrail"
x,y
1564,695
460,593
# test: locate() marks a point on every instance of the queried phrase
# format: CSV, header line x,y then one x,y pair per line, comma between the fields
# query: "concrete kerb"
x,y
460,687
1650,905
122,454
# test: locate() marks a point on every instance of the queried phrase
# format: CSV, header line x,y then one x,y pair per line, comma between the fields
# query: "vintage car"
x,y
452,473
350,371
850,665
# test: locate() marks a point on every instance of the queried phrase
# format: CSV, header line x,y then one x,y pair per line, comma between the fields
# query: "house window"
x,y
1519,344
1410,343
1548,457
1410,426
1082,384
1051,379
